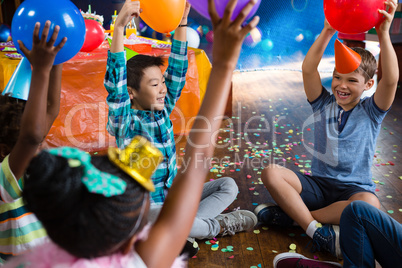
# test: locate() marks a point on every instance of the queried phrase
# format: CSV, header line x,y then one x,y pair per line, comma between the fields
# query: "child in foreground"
x,y
94,211
345,131
23,128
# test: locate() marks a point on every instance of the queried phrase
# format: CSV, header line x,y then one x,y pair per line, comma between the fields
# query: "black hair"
x,y
136,66
368,65
11,110
85,224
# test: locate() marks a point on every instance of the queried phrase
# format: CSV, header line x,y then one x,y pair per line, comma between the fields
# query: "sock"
x,y
312,227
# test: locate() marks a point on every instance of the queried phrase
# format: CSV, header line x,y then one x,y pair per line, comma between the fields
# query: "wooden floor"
x,y
269,110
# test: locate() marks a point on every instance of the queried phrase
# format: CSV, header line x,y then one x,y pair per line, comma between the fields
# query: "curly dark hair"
x,y
85,224
11,110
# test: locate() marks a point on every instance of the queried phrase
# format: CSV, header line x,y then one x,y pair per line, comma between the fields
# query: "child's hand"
x,y
129,10
386,24
43,53
327,26
185,14
229,35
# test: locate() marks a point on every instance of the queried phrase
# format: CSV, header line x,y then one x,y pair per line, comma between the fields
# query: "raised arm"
x,y
180,33
175,74
33,122
180,207
385,93
53,96
311,77
129,10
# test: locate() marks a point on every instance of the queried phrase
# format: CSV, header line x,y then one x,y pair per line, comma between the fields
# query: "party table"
x,y
83,110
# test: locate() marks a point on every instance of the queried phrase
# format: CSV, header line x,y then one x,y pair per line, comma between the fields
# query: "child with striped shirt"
x,y
24,126
95,209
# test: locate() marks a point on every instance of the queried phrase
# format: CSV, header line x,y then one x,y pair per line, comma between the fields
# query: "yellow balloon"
x,y
162,15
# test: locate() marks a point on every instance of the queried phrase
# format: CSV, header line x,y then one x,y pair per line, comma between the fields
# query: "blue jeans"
x,y
368,234
216,196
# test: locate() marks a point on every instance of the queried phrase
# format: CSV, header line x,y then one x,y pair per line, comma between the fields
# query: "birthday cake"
x,y
92,16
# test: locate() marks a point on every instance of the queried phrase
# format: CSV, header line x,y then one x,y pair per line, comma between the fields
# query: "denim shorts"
x,y
319,192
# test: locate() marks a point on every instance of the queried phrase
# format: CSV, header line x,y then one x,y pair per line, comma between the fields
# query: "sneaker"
x,y
236,221
295,260
190,249
327,238
272,214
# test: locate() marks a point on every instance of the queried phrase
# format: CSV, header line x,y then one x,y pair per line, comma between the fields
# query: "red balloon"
x,y
353,16
94,35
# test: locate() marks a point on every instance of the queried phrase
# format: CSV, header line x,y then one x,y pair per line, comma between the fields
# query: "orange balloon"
x,y
162,15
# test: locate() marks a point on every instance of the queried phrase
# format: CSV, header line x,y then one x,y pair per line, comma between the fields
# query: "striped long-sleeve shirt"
x,y
20,230
124,122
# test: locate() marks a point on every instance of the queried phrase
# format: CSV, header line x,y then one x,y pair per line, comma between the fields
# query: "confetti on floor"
x,y
285,145
227,249
215,247
292,246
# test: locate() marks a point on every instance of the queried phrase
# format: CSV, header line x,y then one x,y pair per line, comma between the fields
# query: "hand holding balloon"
x,y
181,33
386,24
353,16
43,52
328,27
229,35
185,14
62,13
129,10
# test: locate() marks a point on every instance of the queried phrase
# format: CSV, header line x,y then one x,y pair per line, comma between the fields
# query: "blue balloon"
x,y
60,12
4,33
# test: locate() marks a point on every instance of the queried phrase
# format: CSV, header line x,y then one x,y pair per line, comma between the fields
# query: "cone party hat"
x,y
20,82
346,60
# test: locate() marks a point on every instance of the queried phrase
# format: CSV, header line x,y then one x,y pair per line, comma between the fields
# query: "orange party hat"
x,y
346,60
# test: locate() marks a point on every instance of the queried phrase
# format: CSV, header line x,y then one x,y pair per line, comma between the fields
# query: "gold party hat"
x,y
139,160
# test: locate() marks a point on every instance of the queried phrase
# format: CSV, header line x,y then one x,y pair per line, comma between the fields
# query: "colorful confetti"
x,y
215,247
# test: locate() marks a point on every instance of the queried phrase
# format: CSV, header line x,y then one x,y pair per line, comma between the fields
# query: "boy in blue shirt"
x,y
345,131
140,101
